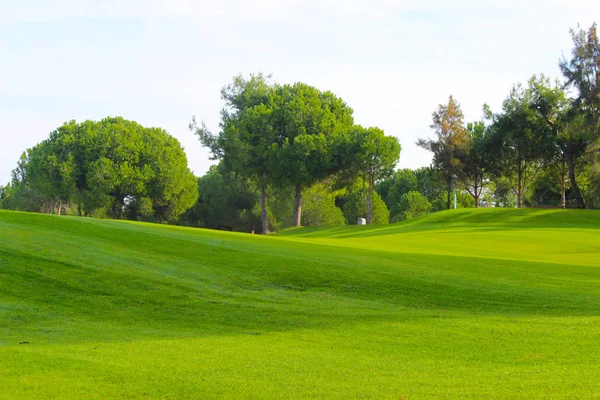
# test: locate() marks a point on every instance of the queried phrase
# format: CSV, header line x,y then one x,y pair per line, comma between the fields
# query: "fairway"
x,y
464,304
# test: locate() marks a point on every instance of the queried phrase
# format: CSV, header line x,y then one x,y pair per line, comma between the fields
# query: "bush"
x,y
411,205
319,207
355,208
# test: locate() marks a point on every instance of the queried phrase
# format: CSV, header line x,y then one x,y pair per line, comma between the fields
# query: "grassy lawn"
x,y
463,304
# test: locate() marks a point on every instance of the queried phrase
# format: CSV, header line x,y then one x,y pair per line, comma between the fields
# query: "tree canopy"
x,y
112,167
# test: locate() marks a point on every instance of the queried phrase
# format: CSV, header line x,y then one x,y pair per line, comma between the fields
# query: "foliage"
x,y
475,173
279,135
5,197
567,131
355,207
229,201
411,205
309,126
320,208
226,201
113,167
396,185
244,142
518,142
451,145
593,174
583,72
375,156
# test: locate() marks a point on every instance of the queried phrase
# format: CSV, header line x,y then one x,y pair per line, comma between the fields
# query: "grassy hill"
x,y
462,304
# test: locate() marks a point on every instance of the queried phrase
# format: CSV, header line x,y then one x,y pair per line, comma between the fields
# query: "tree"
x,y
451,146
5,197
396,185
226,201
320,208
475,175
308,124
583,72
245,141
355,207
517,142
547,189
593,173
375,158
411,205
430,183
108,168
567,130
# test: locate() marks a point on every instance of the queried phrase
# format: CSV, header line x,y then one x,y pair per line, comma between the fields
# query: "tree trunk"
x,y
519,186
579,200
263,207
563,187
79,210
477,191
449,192
370,202
59,207
298,206
52,206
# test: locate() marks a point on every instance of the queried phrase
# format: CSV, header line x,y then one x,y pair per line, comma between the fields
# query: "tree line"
x,y
291,155
545,135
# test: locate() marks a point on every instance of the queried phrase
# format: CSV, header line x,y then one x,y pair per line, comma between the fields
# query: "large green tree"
x,y
475,171
111,167
246,142
568,132
308,127
450,147
583,72
375,156
518,142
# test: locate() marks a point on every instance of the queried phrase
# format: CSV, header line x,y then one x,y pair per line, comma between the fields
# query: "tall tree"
x,y
583,72
307,125
518,142
451,146
475,166
567,129
376,155
246,137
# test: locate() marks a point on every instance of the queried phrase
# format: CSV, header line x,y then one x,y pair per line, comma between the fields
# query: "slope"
x,y
110,309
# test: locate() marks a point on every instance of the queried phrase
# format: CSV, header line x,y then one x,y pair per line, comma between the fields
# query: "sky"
x,y
160,62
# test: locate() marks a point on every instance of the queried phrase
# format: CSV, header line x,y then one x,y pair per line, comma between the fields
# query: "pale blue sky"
x,y
160,62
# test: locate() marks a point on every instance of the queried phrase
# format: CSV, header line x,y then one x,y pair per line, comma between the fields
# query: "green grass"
x,y
464,304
